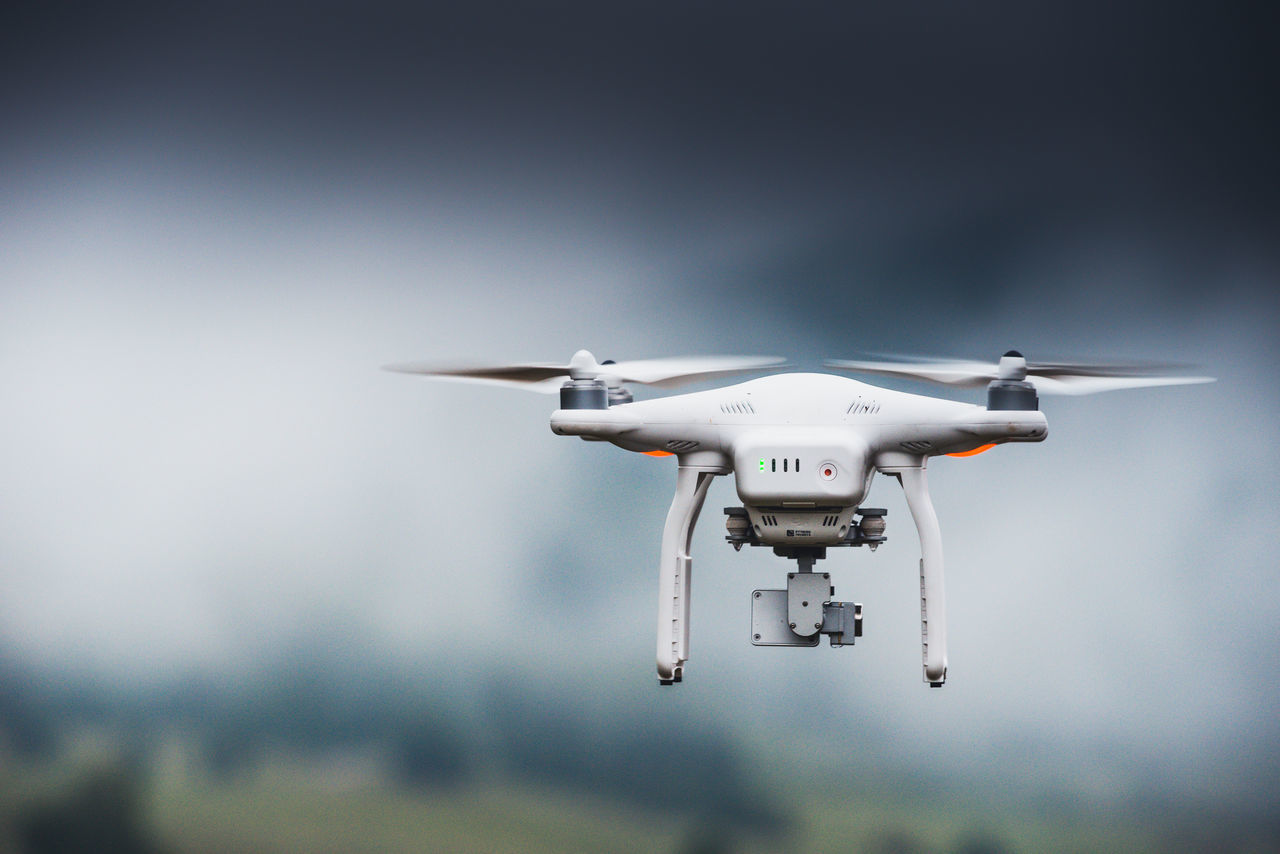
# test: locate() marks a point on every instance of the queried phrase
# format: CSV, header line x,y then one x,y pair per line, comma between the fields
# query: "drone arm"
x,y
933,614
675,570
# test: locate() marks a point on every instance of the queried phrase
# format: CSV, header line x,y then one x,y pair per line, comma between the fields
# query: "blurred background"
x,y
256,594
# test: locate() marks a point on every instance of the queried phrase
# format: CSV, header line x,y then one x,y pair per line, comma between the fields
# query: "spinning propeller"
x,y
1047,377
547,378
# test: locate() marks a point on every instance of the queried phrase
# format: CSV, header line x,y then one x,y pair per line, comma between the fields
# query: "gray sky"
x,y
217,223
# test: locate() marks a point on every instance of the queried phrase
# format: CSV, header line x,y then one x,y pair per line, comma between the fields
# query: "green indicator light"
x,y
762,464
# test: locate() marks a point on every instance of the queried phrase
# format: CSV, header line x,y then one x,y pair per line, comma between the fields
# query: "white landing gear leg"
x,y
674,571
933,606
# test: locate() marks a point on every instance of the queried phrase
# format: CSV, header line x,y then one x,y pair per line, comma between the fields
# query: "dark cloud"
x,y
906,158
1159,99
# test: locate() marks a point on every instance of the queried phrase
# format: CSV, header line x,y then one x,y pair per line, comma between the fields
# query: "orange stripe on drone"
x,y
974,452
657,453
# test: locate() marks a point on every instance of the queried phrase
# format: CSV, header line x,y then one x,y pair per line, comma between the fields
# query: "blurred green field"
x,y
290,815
280,811
287,814
294,804
297,764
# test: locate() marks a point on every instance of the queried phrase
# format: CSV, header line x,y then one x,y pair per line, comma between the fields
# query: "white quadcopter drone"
x,y
804,448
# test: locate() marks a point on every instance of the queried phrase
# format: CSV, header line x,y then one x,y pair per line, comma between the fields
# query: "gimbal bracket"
x,y
798,615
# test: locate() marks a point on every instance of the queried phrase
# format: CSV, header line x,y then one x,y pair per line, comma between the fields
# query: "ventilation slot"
x,y
829,521
737,407
862,407
917,447
772,521
680,446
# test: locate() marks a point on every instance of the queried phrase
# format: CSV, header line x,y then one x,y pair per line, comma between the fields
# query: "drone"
x,y
803,449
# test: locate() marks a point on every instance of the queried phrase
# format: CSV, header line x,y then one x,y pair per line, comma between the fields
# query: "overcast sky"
x,y
218,220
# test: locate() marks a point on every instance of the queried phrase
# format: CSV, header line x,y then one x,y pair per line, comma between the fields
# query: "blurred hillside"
x,y
318,755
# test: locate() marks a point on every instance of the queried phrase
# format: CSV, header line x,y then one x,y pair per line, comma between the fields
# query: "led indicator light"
x,y
762,464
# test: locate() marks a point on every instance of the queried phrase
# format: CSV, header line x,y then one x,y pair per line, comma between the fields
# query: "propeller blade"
x,y
957,373
503,373
1047,377
1082,384
544,379
685,369
547,378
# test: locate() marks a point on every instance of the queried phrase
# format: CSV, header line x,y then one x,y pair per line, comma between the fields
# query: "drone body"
x,y
803,449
